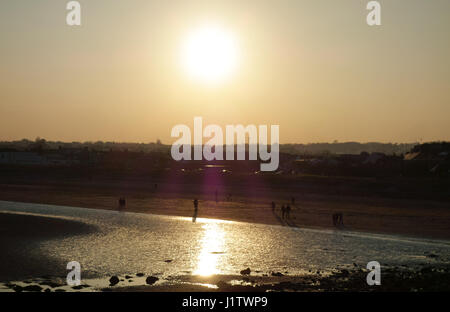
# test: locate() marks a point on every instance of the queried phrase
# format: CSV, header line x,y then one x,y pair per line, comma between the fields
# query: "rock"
x,y
345,273
277,274
113,280
32,288
77,287
150,280
47,290
60,290
247,271
222,284
128,276
426,270
286,286
140,274
50,284
168,260
18,288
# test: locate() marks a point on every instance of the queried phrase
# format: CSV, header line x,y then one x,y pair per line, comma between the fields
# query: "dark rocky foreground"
x,y
395,279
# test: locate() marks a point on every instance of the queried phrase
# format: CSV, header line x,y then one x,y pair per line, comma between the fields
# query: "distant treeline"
x,y
347,148
295,149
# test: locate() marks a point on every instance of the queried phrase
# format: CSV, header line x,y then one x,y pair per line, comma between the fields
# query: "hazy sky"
x,y
313,67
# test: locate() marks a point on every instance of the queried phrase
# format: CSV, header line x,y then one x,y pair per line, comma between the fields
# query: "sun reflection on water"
x,y
211,250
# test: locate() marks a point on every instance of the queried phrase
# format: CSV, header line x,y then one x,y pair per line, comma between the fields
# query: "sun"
x,y
209,54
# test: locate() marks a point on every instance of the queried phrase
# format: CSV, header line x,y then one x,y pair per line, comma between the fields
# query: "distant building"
x,y
22,158
35,158
428,158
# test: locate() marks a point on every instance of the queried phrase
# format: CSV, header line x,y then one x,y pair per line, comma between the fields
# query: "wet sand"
x,y
17,225
19,229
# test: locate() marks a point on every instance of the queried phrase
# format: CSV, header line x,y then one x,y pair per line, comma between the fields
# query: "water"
x,y
128,243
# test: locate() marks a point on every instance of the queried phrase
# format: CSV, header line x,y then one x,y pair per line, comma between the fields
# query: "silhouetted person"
x,y
338,219
194,217
283,211
341,219
273,206
122,203
288,211
156,186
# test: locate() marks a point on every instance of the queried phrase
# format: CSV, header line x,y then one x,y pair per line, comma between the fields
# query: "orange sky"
x,y
313,67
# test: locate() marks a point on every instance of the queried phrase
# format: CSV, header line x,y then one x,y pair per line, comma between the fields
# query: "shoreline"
x,y
416,219
417,277
381,235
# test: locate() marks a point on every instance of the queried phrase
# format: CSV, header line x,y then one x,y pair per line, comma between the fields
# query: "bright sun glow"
x,y
210,54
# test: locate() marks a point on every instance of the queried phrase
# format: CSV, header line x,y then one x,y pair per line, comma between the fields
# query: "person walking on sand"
x,y
122,203
283,211
273,206
288,212
194,217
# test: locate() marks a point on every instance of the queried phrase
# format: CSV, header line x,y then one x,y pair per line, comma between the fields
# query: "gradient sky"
x,y
313,67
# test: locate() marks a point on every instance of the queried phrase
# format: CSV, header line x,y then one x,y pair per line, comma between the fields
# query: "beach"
x,y
374,214
126,251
